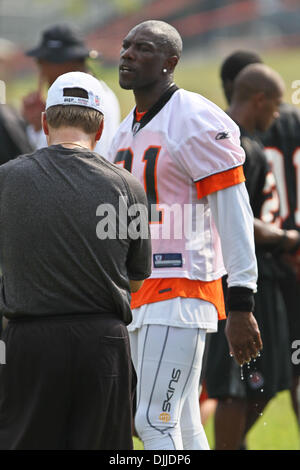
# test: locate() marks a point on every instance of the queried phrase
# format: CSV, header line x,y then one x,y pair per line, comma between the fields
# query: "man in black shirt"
x,y
14,140
70,255
243,394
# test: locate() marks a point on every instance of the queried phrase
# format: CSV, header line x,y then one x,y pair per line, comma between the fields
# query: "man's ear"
x,y
100,130
259,99
171,63
45,124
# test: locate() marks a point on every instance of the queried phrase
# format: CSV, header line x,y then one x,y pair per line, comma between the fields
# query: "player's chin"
x,y
125,82
125,85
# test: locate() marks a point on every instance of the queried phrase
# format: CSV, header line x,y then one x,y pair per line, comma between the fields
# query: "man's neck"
x,y
70,138
145,98
242,115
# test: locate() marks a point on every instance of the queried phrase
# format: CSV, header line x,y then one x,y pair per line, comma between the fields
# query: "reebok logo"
x,y
222,135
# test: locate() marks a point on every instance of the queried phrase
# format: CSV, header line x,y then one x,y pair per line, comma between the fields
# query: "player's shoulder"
x,y
18,163
15,168
201,106
201,114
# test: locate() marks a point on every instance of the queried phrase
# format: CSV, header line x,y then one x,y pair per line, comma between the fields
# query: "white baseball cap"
x,y
58,92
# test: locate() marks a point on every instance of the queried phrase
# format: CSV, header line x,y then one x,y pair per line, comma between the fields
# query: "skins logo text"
x,y
166,408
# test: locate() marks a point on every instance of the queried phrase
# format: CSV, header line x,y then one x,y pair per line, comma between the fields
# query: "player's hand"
x,y
33,106
243,336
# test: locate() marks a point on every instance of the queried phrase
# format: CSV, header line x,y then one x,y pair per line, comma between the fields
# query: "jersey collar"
x,y
138,125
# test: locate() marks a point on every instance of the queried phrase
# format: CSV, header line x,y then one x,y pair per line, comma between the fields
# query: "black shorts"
x,y
268,374
67,384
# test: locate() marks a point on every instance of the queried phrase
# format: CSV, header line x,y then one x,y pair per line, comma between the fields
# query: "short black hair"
x,y
234,63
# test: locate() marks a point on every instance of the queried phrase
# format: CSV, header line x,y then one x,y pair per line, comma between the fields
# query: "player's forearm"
x,y
267,233
275,238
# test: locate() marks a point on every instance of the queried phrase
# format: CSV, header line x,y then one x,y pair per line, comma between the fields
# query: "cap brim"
x,y
59,56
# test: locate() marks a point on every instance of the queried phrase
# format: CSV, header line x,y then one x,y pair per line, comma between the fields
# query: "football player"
x,y
186,151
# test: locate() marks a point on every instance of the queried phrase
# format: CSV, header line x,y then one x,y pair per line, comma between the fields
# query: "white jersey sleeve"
x,y
233,217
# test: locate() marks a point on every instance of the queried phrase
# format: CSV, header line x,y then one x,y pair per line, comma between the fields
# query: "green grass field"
x,y
277,428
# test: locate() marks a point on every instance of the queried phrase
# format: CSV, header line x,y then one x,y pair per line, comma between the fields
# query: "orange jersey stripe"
x,y
155,290
222,180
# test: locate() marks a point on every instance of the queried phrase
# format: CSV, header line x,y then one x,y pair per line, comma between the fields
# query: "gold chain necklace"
x,y
73,143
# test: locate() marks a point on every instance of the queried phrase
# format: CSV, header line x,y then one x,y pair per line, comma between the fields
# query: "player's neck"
x,y
145,98
241,114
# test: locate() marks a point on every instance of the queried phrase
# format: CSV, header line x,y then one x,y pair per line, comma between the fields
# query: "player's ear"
x,y
259,99
100,130
171,63
45,124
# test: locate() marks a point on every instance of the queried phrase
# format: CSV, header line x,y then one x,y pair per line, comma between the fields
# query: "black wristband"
x,y
240,298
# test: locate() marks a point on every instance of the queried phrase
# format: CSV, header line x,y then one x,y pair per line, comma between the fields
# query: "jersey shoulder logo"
x,y
222,135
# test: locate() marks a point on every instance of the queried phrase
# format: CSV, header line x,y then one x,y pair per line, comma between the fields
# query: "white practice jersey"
x,y
187,149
